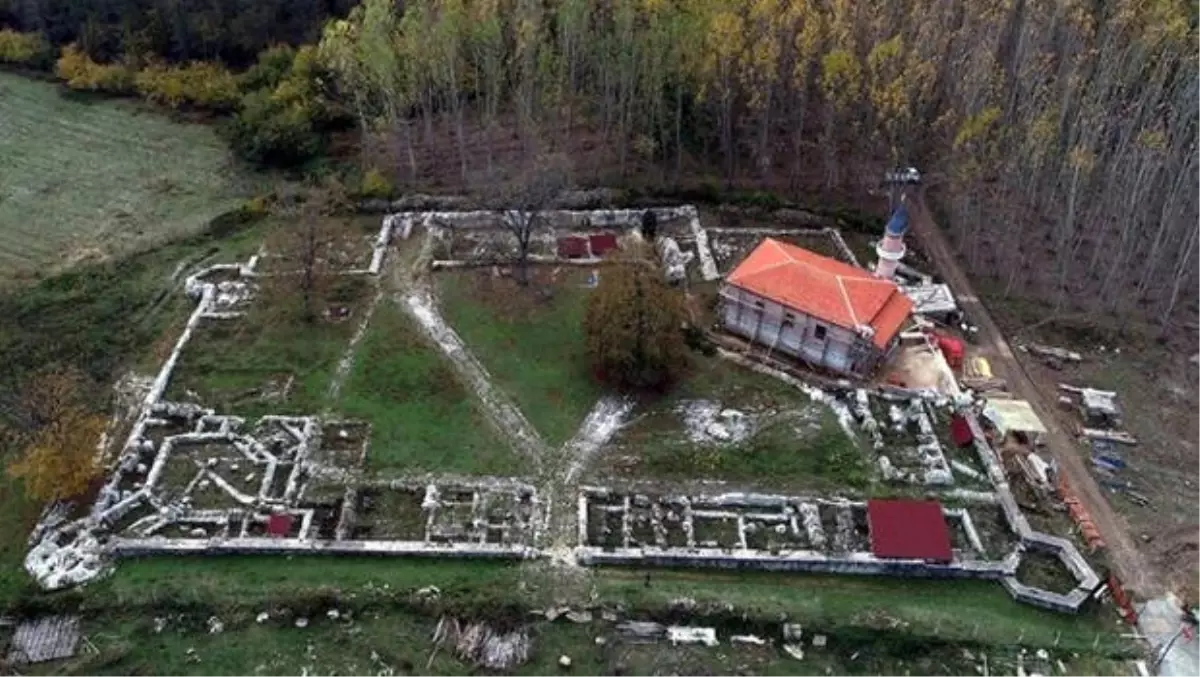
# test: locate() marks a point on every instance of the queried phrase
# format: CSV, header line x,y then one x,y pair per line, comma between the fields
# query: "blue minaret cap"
x,y
899,221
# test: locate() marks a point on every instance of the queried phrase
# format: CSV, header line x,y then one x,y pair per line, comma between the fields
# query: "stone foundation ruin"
x,y
192,480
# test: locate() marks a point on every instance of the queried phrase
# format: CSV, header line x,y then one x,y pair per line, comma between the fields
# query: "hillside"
x,y
87,179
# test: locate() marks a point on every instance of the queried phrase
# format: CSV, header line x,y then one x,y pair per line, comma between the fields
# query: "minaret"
x,y
891,248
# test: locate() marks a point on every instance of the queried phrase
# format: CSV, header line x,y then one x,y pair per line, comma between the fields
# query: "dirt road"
x,y
1123,553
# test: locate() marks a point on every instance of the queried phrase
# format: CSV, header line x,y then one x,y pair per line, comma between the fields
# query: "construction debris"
x,y
641,631
794,650
483,646
684,634
1098,407
1051,352
45,639
1118,436
1137,498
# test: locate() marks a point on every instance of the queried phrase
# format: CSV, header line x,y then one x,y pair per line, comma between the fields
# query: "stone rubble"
x,y
707,422
680,634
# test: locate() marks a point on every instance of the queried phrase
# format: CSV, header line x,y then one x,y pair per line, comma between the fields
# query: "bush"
x,y
273,65
268,131
278,123
227,223
375,184
30,50
200,84
81,73
633,327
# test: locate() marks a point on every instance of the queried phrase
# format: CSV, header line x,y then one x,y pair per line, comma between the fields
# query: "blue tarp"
x,y
899,221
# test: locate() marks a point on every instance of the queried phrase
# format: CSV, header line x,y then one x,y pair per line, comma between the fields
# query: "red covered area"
x,y
960,431
908,529
279,525
603,243
953,349
572,247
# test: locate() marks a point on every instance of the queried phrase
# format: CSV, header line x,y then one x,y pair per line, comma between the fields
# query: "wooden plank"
x,y
1051,351
1079,391
1119,436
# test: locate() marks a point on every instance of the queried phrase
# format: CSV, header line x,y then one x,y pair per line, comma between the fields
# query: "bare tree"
x,y
304,240
521,203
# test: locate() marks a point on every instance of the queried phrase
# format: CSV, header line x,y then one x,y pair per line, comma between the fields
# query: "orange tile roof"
x,y
825,288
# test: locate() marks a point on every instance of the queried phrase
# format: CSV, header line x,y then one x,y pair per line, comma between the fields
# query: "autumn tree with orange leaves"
x,y
57,434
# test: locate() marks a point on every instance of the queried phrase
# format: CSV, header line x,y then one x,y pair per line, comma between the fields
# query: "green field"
x,y
873,625
530,339
422,417
795,444
231,364
84,178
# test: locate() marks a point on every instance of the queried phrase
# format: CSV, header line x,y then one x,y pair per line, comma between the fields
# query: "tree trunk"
x,y
678,133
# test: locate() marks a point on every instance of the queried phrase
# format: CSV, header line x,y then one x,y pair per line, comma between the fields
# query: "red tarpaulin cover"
x,y
279,525
908,529
603,243
953,349
572,247
960,431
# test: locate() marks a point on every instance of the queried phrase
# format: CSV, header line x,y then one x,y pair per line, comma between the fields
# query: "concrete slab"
x,y
1175,644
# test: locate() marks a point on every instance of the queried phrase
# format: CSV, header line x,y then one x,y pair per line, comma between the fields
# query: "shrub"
x,y
279,124
81,73
633,326
273,65
25,49
228,223
375,184
268,131
200,84
258,206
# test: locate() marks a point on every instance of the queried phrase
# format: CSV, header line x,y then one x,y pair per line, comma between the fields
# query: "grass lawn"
x,y
90,176
229,363
874,626
422,417
532,344
795,442
235,582
946,610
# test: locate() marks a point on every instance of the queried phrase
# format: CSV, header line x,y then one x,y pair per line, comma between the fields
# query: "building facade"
x,y
818,310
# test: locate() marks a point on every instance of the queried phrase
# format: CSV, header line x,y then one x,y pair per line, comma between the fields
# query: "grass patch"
x,y
249,582
422,417
775,453
1046,571
83,180
233,365
862,604
529,338
795,442
374,642
874,625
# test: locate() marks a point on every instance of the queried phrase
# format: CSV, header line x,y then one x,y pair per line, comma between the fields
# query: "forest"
x,y
1060,135
231,31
